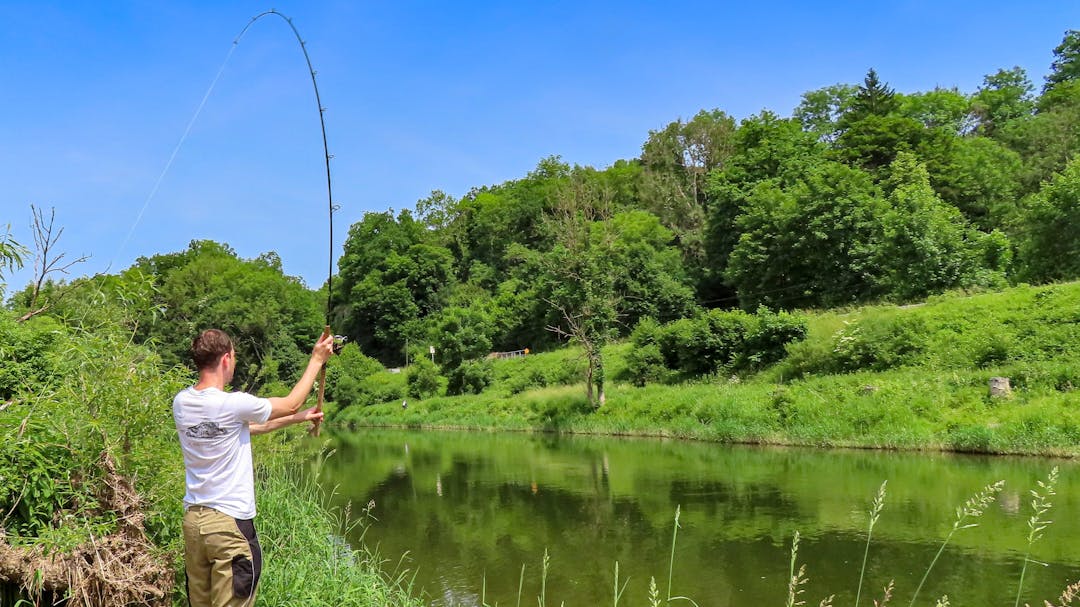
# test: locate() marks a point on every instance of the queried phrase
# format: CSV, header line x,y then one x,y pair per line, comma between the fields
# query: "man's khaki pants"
x,y
222,558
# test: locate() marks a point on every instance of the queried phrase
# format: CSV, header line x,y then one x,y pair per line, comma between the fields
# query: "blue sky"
x,y
419,95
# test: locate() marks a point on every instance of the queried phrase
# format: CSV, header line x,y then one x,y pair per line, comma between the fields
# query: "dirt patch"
x,y
120,569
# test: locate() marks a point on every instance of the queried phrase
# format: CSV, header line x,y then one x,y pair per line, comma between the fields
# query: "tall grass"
x,y
797,579
971,509
1040,505
308,562
875,511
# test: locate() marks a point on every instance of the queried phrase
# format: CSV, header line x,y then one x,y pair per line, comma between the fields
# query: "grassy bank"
x,y
911,377
307,561
91,483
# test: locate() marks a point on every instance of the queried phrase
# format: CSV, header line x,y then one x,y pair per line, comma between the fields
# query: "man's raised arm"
x,y
288,405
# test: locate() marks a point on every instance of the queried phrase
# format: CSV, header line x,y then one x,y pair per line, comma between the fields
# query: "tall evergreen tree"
x,y
872,98
1066,65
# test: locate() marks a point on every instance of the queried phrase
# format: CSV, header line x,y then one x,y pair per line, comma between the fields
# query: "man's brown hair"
x,y
208,348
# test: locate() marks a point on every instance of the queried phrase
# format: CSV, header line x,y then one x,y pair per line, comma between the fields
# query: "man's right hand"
x,y
323,350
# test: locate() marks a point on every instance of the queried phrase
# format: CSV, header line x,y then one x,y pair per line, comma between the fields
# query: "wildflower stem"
x,y
875,510
1040,505
671,562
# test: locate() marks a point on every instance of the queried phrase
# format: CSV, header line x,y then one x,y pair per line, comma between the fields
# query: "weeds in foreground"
x,y
307,560
887,594
1071,592
1040,505
618,591
971,509
795,579
875,512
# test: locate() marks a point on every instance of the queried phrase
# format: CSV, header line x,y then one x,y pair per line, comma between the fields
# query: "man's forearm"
x,y
278,423
287,405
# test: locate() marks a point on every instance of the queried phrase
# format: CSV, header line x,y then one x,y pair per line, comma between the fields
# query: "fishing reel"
x,y
339,343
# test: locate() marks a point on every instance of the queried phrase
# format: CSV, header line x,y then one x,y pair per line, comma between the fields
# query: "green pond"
x,y
464,512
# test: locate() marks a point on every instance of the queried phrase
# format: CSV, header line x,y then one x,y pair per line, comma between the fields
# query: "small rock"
x,y
999,387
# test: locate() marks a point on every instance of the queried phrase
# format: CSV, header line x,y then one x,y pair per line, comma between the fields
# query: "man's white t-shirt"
x,y
214,435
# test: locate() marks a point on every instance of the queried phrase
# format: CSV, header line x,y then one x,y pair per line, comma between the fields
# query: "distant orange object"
x,y
526,350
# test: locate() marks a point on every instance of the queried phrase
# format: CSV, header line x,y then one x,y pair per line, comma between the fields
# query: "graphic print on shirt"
x,y
205,430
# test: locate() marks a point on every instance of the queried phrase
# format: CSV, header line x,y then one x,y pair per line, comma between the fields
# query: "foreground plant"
x,y
875,512
1040,505
973,508
795,579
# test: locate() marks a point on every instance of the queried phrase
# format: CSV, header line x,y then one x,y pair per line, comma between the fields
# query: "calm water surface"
x,y
469,509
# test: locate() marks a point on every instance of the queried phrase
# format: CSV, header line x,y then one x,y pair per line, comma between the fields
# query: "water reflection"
x,y
472,508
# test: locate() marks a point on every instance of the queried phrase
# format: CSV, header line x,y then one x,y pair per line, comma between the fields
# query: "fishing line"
x,y
172,157
195,117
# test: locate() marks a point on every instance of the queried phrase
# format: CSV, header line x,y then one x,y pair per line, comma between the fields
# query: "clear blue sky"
x,y
419,95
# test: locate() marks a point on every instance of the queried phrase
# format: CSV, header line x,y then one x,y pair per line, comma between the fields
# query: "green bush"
x,y
516,375
769,335
645,365
383,387
880,343
470,377
422,379
26,352
645,361
714,341
345,375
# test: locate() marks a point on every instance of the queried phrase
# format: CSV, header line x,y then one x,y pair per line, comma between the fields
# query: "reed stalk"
x,y
973,508
1040,505
875,512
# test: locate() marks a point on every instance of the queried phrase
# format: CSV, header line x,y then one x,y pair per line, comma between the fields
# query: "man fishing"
x,y
222,557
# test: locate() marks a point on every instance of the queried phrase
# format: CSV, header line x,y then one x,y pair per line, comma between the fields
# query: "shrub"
x,y
645,361
718,340
769,335
645,365
423,379
345,375
25,352
881,343
470,377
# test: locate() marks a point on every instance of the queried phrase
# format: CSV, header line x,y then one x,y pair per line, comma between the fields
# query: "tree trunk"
x,y
601,396
589,382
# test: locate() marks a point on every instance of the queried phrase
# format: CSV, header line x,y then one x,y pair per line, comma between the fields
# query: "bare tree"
x,y
47,261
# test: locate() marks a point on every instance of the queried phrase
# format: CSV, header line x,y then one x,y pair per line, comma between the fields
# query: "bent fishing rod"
x,y
326,148
329,189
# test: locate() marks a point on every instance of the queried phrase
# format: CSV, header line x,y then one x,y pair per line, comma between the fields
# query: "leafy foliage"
x,y
273,319
1050,247
423,379
713,341
346,374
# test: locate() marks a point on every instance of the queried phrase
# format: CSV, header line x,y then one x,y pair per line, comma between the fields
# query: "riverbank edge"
x,y
778,442
912,378
899,410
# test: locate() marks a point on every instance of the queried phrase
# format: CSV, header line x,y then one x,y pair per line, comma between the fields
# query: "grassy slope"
x,y
911,377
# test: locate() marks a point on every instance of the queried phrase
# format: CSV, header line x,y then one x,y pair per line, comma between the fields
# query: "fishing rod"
x,y
326,154
329,190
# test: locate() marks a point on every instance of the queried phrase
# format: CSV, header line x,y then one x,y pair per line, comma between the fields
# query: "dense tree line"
x,y
862,194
